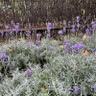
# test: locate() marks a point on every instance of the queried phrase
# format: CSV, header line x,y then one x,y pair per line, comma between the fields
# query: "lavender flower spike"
x,y
48,35
49,26
51,48
60,32
93,50
3,55
38,35
28,72
94,87
76,89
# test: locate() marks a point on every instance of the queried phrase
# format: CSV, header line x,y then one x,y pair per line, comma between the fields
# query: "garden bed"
x,y
48,68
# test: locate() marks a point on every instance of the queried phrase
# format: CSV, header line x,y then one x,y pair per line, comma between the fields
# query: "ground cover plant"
x,y
48,67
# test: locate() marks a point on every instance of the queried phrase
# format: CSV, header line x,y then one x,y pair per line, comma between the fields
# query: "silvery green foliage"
x,y
22,85
20,56
43,51
73,40
61,70
19,85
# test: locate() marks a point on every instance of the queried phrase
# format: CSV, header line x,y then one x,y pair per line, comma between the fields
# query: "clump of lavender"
x,y
77,47
76,89
28,72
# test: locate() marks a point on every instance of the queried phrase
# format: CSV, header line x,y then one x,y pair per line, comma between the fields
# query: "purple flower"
x,y
95,39
77,51
93,50
30,43
78,25
6,34
85,21
85,58
66,44
16,26
10,42
94,87
4,60
64,29
72,30
48,35
51,48
94,27
69,22
76,89
14,29
87,30
49,26
73,26
92,22
77,18
67,47
2,33
72,47
8,65
17,23
11,33
28,33
3,55
78,46
6,26
90,29
38,42
38,35
60,32
12,22
28,72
